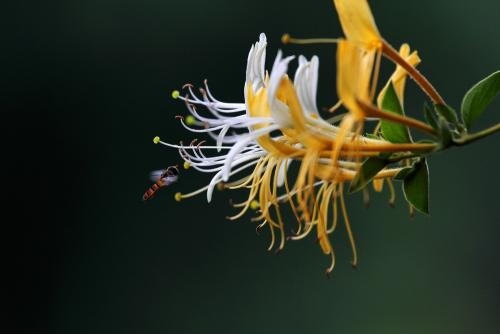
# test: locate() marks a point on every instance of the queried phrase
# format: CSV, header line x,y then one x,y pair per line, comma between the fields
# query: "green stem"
x,y
469,138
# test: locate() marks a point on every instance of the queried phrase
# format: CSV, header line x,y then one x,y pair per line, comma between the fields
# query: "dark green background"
x,y
85,85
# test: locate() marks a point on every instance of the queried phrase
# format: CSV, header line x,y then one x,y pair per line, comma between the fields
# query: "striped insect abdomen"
x,y
151,191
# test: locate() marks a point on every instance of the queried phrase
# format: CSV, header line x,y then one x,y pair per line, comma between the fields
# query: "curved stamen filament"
x,y
348,226
392,193
335,107
335,213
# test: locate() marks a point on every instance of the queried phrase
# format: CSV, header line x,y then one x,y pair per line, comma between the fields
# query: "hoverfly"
x,y
161,178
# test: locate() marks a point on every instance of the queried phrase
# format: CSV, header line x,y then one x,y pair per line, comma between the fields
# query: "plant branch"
x,y
411,122
421,80
469,138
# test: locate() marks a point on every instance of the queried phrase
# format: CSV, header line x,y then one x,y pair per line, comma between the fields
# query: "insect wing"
x,y
169,180
156,175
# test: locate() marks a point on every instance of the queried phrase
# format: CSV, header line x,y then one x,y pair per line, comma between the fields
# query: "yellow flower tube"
x,y
358,23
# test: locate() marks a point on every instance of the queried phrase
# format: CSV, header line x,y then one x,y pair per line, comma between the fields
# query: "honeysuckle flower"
x,y
359,27
279,123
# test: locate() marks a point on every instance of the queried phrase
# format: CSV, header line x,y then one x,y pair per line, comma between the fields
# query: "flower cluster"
x,y
278,147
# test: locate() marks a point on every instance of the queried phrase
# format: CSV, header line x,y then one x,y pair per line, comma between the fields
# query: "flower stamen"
x,y
287,39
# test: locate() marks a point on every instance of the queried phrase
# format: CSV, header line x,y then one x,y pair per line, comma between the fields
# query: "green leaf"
x,y
447,112
416,186
366,172
393,132
479,97
402,174
430,117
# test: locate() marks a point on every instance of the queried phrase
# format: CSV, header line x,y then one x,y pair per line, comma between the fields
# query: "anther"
x,y
186,165
175,94
285,38
254,205
156,140
178,197
190,120
221,186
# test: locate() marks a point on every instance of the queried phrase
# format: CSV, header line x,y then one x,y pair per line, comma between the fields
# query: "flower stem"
x,y
422,81
469,138
411,122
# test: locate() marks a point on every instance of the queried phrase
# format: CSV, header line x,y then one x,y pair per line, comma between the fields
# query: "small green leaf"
x,y
430,117
445,135
393,132
416,186
366,172
402,174
447,112
479,97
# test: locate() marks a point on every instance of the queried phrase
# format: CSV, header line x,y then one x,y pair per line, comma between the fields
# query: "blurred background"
x,y
85,86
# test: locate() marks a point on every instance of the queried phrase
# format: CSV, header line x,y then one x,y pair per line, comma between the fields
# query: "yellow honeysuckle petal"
x,y
398,78
258,106
354,69
357,22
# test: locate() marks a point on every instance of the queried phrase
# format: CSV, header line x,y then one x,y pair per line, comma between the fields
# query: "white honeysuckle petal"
x,y
255,74
306,84
213,105
221,136
279,69
279,110
245,140
223,105
228,139
281,172
281,114
198,158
